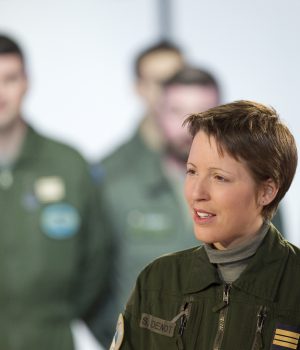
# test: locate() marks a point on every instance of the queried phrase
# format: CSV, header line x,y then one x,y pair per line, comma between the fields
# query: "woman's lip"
x,y
203,212
206,218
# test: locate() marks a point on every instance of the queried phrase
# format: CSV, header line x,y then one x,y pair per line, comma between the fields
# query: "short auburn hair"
x,y
254,133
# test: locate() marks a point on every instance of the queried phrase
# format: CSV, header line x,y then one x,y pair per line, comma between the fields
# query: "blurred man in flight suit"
x,y
53,249
141,182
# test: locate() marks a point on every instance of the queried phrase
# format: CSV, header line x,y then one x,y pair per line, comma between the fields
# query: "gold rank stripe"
x,y
284,344
288,339
287,333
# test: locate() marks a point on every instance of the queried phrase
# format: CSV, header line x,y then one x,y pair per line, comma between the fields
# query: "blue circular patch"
x,y
60,220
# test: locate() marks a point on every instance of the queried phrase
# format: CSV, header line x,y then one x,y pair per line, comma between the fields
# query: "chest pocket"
x,y
164,328
272,330
241,328
152,227
189,331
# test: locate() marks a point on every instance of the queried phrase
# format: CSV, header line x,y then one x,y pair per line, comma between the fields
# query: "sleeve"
x,y
132,336
96,247
102,314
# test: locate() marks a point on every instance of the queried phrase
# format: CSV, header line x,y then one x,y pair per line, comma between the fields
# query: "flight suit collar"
x,y
31,146
203,273
149,162
261,278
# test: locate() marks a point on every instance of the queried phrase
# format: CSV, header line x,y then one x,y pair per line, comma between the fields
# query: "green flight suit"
x,y
53,251
148,217
180,303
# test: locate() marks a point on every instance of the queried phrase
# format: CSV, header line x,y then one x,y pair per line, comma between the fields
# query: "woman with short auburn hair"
x,y
240,289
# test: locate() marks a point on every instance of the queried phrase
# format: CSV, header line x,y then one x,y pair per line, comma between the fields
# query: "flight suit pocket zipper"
x,y
258,339
183,317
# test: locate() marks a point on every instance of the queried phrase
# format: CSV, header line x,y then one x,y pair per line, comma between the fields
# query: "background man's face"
x,y
13,85
154,69
177,102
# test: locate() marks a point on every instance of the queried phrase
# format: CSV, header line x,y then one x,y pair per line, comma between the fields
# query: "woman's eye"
x,y
190,171
220,178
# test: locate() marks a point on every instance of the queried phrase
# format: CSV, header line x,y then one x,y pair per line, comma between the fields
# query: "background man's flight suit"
x,y
53,250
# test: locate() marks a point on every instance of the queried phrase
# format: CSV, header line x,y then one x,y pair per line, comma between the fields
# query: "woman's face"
x,y
222,195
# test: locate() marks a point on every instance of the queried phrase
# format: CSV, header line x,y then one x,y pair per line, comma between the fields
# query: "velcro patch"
x,y
158,325
285,337
119,335
50,189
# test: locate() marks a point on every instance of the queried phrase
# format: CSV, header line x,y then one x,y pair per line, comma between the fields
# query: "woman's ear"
x,y
268,192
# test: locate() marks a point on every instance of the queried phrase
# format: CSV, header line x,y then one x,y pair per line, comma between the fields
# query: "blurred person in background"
x,y
53,248
142,187
153,66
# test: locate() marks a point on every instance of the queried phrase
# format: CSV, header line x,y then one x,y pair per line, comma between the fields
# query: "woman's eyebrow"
x,y
190,163
221,169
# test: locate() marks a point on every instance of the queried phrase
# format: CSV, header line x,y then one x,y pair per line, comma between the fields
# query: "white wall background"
x,y
80,55
80,62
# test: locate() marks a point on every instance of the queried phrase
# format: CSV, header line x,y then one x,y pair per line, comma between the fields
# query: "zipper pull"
x,y
225,298
226,293
183,321
183,318
261,316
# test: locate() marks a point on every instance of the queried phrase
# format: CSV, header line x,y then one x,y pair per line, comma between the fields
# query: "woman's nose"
x,y
200,190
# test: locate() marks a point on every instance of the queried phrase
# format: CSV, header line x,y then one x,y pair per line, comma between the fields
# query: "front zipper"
x,y
258,340
223,307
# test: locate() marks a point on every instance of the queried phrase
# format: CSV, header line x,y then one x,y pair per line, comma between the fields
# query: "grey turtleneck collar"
x,y
232,262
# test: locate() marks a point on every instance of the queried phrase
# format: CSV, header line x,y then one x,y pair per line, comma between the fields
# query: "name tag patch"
x,y
158,325
285,337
